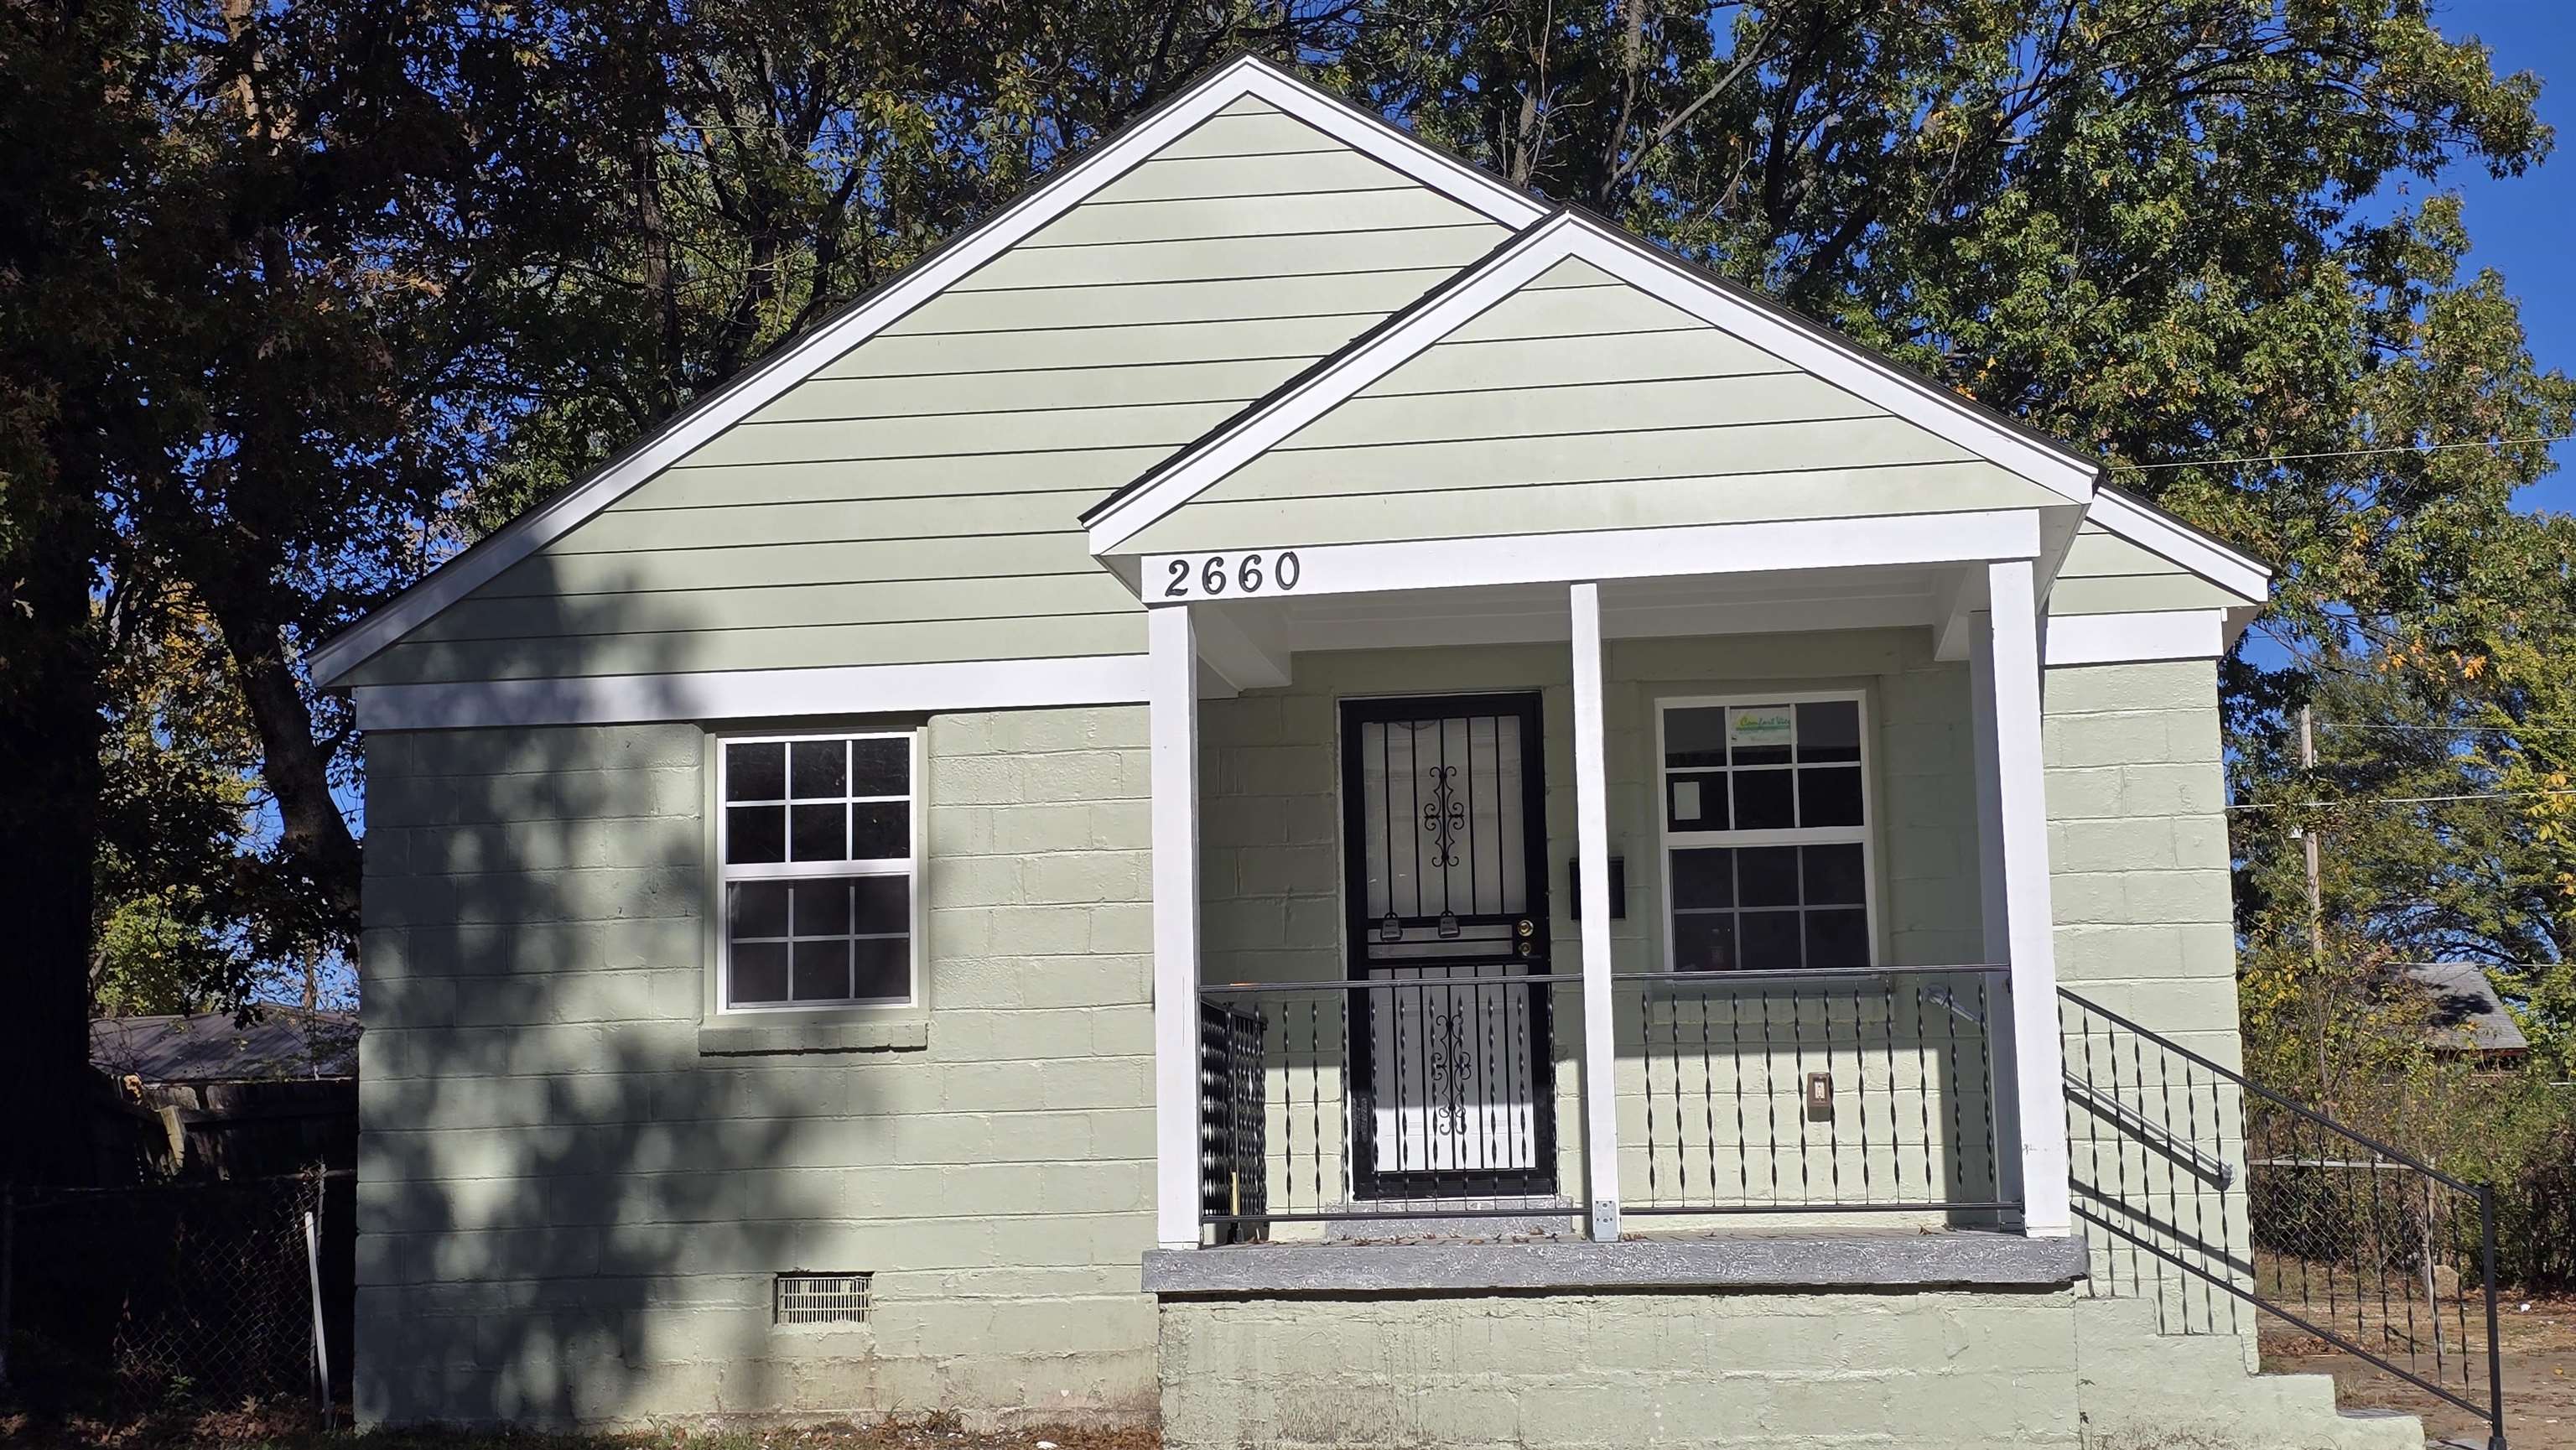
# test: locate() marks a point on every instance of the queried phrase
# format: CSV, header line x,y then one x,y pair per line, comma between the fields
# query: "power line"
x,y
2344,453
2452,729
2393,800
2471,962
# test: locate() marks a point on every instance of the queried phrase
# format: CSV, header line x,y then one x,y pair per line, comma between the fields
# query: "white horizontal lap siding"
x,y
916,499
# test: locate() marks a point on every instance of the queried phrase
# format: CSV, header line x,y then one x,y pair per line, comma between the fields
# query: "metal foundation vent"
x,y
822,1299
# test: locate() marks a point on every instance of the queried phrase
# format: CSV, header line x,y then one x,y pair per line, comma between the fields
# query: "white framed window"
x,y
1767,856
818,837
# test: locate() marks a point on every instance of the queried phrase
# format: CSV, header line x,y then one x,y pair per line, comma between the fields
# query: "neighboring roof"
x,y
792,362
1572,235
2468,1016
283,1043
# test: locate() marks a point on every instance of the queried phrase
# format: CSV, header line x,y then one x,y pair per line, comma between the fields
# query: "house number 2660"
x,y
1218,574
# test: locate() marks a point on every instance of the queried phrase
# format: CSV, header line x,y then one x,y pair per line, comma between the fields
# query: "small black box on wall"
x,y
1618,887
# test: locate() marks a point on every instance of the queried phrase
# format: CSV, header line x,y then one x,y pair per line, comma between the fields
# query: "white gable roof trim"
x,y
1573,235
2152,529
1247,76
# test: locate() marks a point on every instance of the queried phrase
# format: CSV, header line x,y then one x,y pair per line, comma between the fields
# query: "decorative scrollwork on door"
x,y
1449,1072
1444,815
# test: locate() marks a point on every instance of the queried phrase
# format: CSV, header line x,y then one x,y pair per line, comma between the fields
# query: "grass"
x,y
292,1427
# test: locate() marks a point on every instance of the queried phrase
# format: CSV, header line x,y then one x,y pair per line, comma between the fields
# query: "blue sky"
x,y
2520,225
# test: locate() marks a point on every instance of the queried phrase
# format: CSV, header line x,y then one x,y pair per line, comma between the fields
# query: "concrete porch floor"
x,y
1713,1262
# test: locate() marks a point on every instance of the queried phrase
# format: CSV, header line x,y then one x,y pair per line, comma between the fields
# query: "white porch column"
x,y
1173,734
1997,947
2017,858
1592,857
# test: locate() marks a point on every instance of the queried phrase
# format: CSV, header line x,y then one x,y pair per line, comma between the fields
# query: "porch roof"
x,y
1578,380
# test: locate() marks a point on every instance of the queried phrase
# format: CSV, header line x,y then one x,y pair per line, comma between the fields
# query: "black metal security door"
x,y
1444,814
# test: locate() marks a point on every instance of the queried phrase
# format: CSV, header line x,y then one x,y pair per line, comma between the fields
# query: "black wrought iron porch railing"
x,y
1819,1090
1431,1092
1422,1093
2236,1209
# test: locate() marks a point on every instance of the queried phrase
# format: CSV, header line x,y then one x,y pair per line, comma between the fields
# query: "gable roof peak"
x,y
799,357
1573,233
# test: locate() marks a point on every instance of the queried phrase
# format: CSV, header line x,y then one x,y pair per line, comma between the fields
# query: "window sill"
x,y
736,1038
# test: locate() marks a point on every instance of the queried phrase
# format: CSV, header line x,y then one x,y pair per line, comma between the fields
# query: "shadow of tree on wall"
x,y
565,1213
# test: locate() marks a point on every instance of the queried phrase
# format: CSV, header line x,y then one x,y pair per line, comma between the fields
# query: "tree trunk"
x,y
295,767
50,727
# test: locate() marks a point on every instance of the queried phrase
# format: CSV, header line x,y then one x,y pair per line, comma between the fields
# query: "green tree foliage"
x,y
307,292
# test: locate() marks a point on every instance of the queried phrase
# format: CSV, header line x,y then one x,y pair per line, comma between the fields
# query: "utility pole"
x,y
2308,837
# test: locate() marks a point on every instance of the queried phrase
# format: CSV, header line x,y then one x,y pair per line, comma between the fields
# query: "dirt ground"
x,y
2539,1340
2539,1344
290,1427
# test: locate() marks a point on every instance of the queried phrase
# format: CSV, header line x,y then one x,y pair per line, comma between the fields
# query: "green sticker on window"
x,y
1765,725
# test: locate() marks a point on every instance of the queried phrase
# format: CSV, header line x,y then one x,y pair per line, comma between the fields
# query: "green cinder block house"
x,y
1289,794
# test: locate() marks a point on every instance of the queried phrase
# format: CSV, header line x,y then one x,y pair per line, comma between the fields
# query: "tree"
x,y
765,162
75,75
310,292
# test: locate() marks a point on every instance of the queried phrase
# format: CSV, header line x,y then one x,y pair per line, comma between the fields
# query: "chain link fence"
x,y
135,1300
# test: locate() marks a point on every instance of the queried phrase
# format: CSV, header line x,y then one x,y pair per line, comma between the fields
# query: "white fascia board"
x,y
1573,236
755,694
2128,519
2109,639
1371,135
1598,554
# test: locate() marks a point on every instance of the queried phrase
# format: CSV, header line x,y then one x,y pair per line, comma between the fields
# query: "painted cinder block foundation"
x,y
1927,1369
1990,1368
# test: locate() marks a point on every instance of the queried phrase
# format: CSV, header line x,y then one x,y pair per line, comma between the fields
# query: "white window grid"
x,y
729,874
1862,835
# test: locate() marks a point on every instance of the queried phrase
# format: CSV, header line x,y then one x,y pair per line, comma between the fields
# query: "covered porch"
x,y
1799,763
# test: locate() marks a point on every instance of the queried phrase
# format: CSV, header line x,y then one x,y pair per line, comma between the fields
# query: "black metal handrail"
x,y
2396,1155
2316,1248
